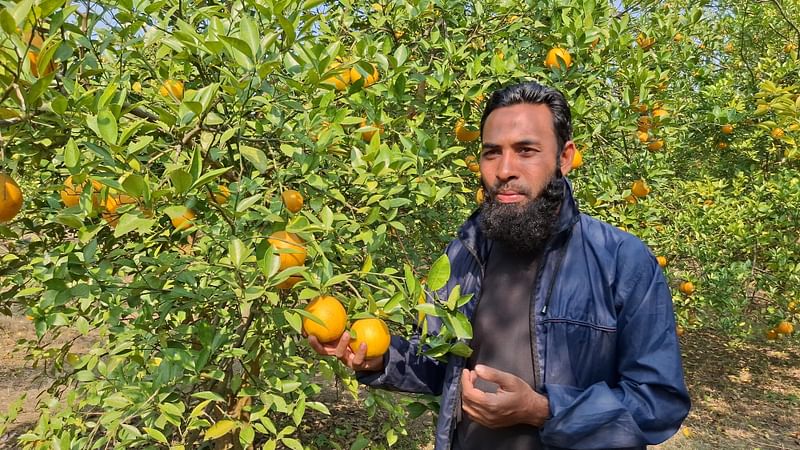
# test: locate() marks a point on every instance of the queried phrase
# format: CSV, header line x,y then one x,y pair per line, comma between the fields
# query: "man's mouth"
x,y
509,196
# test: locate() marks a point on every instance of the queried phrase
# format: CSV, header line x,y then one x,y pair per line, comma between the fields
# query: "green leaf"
x,y
238,252
20,13
219,429
134,184
452,299
360,443
107,125
461,349
197,164
72,156
256,157
439,273
155,434
129,222
429,309
248,31
292,443
181,180
209,177
7,22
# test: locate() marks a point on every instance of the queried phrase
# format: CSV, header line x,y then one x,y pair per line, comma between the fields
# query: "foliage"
x,y
194,340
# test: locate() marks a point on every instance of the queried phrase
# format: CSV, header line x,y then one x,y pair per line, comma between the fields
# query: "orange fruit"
x,y
640,188
660,113
332,314
136,87
282,240
220,195
687,287
777,133
474,167
792,306
470,159
789,48
112,203
784,327
183,221
643,136
479,196
577,159
556,56
679,330
172,88
722,145
727,129
367,135
644,123
292,200
645,42
355,75
340,79
10,198
374,333
772,335
662,261
71,194
464,134
678,37
656,145
289,282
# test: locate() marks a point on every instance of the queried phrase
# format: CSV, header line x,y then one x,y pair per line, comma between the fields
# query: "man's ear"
x,y
567,155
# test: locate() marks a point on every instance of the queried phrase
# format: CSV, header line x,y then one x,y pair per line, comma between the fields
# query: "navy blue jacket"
x,y
602,324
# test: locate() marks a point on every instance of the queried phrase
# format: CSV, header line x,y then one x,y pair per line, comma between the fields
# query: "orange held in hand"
x,y
332,314
374,333
10,198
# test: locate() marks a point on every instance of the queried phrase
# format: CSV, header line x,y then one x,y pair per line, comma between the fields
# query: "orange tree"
x,y
185,124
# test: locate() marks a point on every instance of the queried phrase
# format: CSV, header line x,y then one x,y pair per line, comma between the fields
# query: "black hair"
x,y
534,93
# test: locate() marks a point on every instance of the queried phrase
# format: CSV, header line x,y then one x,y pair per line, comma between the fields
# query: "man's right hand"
x,y
340,348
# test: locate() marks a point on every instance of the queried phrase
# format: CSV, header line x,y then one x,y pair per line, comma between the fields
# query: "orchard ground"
x,y
746,395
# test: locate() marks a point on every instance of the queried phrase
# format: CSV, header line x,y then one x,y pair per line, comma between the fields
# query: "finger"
x,y
505,380
358,356
469,393
341,348
317,346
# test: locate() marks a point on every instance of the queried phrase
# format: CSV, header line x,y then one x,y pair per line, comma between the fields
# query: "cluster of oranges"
x,y
333,321
344,77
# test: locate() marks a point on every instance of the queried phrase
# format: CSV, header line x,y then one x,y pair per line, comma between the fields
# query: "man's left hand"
x,y
514,402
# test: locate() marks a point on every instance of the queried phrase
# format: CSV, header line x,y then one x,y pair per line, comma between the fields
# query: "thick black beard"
x,y
523,228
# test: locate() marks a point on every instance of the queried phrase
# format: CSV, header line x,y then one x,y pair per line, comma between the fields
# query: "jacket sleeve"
x,y
650,400
406,369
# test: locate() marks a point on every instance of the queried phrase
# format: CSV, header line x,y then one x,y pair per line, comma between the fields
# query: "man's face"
x,y
519,153
524,184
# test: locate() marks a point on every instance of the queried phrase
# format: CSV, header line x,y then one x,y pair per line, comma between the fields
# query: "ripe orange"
x,y
785,327
470,159
464,134
331,312
340,79
640,188
662,261
292,200
71,194
645,42
660,113
687,287
479,196
772,335
678,37
367,135
355,75
679,330
173,88
792,306
289,282
10,198
644,123
656,145
577,159
183,221
722,145
777,133
474,167
643,136
727,129
789,48
282,240
556,56
221,195
112,203
374,333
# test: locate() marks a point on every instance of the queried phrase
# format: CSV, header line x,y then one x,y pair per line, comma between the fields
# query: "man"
x,y
574,342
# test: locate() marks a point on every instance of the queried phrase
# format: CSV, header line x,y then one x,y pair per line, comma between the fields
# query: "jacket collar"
x,y
476,242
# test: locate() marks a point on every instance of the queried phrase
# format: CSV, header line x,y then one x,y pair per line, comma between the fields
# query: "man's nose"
x,y
507,167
